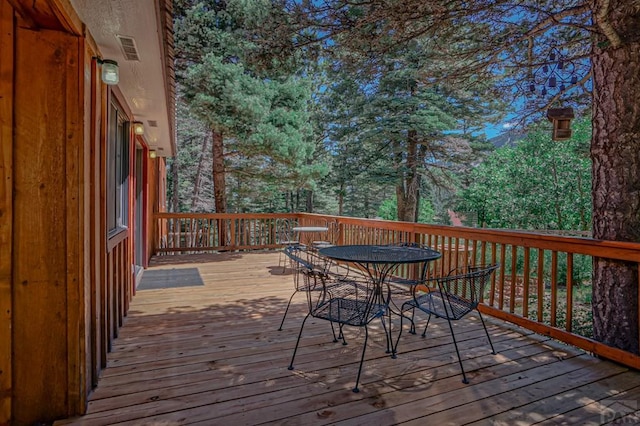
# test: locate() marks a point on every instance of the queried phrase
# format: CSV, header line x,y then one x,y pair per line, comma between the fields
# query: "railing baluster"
x,y
540,284
492,296
474,253
503,255
554,287
525,283
514,278
453,253
442,249
569,287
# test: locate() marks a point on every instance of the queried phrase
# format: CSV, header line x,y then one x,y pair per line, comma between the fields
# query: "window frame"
x,y
117,171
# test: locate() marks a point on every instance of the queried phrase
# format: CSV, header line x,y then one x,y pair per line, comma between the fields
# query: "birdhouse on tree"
x,y
561,119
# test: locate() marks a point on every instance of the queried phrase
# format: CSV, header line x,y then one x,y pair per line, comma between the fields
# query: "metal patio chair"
x,y
332,235
345,301
451,298
402,288
306,266
286,237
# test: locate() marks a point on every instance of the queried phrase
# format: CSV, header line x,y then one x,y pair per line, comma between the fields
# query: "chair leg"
x,y
424,333
493,351
286,310
339,336
412,329
390,348
284,264
464,376
395,347
364,348
298,342
387,333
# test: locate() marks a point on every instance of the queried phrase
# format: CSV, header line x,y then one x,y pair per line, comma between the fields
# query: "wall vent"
x,y
152,123
129,48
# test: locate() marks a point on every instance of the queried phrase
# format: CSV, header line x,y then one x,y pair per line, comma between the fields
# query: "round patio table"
x,y
379,261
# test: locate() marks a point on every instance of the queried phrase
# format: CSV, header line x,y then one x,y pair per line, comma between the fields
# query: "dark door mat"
x,y
170,278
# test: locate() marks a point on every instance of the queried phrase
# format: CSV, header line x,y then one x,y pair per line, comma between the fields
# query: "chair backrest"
x,y
302,266
423,265
466,285
344,299
324,280
284,230
331,236
296,255
309,269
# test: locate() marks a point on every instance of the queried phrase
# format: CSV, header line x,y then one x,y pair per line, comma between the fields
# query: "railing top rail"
x,y
627,251
165,215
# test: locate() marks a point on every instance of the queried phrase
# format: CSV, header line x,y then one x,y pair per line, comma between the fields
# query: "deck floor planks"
x,y
381,394
278,402
282,361
205,382
562,381
621,407
157,380
568,400
211,354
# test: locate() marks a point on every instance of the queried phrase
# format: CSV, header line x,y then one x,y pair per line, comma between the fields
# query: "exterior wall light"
x,y
138,128
152,154
110,73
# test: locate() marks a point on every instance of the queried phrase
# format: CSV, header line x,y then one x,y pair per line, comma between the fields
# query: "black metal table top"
x,y
380,254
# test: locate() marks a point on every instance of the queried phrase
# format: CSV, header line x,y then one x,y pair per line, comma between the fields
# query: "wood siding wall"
x,y
48,228
64,287
7,31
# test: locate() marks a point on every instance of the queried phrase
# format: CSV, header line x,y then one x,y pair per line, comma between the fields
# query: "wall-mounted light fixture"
x,y
152,154
110,73
138,128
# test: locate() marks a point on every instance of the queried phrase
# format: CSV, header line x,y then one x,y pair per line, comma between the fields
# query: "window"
x,y
117,171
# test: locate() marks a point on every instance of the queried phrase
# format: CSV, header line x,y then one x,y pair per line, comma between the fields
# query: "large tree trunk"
x,y
219,183
407,190
309,200
615,151
196,187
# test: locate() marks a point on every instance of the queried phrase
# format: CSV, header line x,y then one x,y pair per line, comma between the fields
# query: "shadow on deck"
x,y
208,352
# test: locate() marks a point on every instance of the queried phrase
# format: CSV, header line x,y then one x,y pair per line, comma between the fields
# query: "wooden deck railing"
x,y
206,232
543,283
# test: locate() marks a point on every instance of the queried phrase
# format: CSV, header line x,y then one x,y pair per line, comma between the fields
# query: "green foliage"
x,y
389,130
189,183
538,184
389,210
259,106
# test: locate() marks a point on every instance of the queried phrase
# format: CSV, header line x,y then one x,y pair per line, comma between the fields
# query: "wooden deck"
x,y
205,349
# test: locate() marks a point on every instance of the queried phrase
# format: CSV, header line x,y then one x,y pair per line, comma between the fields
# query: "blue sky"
x,y
493,130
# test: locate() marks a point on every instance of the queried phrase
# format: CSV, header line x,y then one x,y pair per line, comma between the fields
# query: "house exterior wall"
x,y
6,206
65,286
49,251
